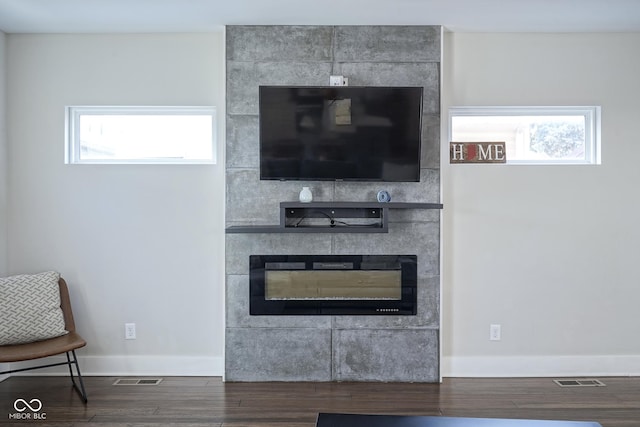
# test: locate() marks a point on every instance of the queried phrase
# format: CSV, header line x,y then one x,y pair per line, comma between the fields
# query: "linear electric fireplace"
x,y
333,284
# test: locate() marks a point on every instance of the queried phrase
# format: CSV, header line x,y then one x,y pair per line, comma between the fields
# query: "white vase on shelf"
x,y
305,195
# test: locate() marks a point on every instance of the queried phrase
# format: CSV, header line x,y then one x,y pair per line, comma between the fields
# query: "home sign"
x,y
477,152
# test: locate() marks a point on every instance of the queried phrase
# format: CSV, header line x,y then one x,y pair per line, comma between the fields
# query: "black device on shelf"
x,y
340,133
336,215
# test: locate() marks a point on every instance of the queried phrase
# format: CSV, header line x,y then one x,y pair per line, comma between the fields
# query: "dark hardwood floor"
x,y
195,401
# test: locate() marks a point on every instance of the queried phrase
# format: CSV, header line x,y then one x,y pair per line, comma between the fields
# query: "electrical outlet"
x,y
495,332
129,331
336,80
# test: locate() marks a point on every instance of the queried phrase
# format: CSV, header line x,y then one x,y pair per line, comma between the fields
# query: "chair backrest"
x,y
65,305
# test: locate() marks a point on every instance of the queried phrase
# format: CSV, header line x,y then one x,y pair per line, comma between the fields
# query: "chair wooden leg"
x,y
81,391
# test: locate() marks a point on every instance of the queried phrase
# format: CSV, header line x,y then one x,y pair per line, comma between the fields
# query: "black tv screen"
x,y
340,133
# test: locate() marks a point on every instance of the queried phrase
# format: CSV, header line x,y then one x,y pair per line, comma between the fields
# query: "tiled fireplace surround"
x,y
330,348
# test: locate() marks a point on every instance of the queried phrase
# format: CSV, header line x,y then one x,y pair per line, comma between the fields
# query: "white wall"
x,y
136,243
548,252
3,155
3,165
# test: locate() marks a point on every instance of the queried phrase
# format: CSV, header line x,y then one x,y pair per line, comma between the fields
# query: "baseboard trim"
x,y
513,366
131,366
541,366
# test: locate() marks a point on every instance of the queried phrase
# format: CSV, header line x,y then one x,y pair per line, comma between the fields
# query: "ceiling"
x,y
119,16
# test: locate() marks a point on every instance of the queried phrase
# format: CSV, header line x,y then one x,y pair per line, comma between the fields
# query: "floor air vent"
x,y
138,381
579,383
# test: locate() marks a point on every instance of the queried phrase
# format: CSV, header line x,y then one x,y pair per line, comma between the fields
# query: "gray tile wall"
x,y
330,348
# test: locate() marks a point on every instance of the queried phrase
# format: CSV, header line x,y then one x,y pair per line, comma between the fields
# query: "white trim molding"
x,y
540,366
134,366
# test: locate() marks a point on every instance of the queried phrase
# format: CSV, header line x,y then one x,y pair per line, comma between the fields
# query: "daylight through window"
x,y
140,135
533,135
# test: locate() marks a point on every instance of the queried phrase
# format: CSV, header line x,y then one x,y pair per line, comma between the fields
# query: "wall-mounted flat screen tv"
x,y
340,133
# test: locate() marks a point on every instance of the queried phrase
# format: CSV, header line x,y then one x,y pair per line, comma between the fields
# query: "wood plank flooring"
x,y
196,401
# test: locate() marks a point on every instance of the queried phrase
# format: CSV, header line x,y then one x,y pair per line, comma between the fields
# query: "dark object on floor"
x,y
353,420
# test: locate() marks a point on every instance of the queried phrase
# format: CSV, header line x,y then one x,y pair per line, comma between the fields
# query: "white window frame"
x,y
591,115
72,131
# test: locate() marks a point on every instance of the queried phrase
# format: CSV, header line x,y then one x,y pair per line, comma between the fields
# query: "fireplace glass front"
x,y
333,284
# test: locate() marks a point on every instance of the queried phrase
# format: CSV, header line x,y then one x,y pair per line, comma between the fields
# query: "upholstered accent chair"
x,y
36,322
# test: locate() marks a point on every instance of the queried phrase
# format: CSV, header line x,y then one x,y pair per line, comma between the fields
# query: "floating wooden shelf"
x,y
294,214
